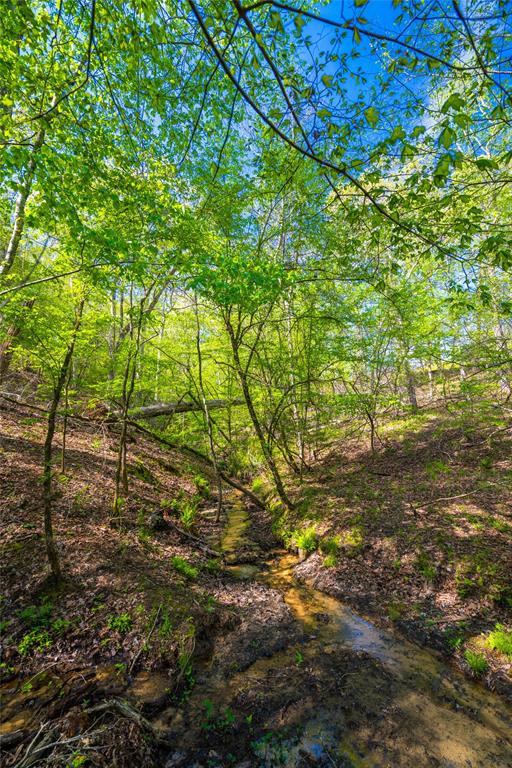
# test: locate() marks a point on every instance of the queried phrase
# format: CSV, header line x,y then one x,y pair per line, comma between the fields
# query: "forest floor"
x,y
209,656
419,533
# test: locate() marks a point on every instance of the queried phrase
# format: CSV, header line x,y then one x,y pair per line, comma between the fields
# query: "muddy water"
x,y
407,706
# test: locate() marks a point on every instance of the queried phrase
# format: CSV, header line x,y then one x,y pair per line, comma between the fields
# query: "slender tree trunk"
x,y
295,407
51,548
430,384
121,480
65,425
411,388
18,227
269,459
206,411
12,333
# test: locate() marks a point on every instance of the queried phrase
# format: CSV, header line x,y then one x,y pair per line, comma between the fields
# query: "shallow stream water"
x,y
428,713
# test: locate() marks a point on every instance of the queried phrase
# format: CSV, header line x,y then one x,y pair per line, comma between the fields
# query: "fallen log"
x,y
169,409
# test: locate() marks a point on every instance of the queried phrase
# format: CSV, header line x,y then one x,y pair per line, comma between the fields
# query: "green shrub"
x,y
213,565
188,515
182,566
37,640
307,540
202,486
436,467
330,545
331,561
258,485
59,626
395,610
500,640
477,661
122,623
37,615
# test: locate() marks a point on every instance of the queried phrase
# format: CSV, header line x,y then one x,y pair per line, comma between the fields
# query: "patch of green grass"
x,y
37,615
331,561
141,471
307,540
352,539
184,568
257,485
500,525
435,468
476,661
29,420
426,567
330,545
60,626
500,639
121,623
454,638
486,463
395,610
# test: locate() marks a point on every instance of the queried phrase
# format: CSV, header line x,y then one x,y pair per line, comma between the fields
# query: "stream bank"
x,y
291,677
303,680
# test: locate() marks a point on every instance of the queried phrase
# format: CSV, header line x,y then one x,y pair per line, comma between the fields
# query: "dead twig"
x,y
125,710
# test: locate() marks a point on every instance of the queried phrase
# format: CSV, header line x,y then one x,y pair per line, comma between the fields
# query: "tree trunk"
x,y
269,459
206,411
21,202
411,388
128,387
12,333
51,548
169,409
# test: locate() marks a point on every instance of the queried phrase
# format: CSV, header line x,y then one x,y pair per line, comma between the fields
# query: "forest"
x,y
256,383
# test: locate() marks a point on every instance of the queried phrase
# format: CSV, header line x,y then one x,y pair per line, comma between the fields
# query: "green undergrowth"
x,y
500,639
184,568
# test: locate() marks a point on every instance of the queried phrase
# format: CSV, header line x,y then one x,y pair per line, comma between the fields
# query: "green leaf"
x,y
397,135
275,21
327,80
357,36
485,163
407,151
372,116
360,3
447,137
299,22
455,101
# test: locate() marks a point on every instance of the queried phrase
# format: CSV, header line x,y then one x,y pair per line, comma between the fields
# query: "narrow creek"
x,y
344,692
302,680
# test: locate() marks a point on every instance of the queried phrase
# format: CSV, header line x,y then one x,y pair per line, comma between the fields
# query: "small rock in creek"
x,y
176,760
